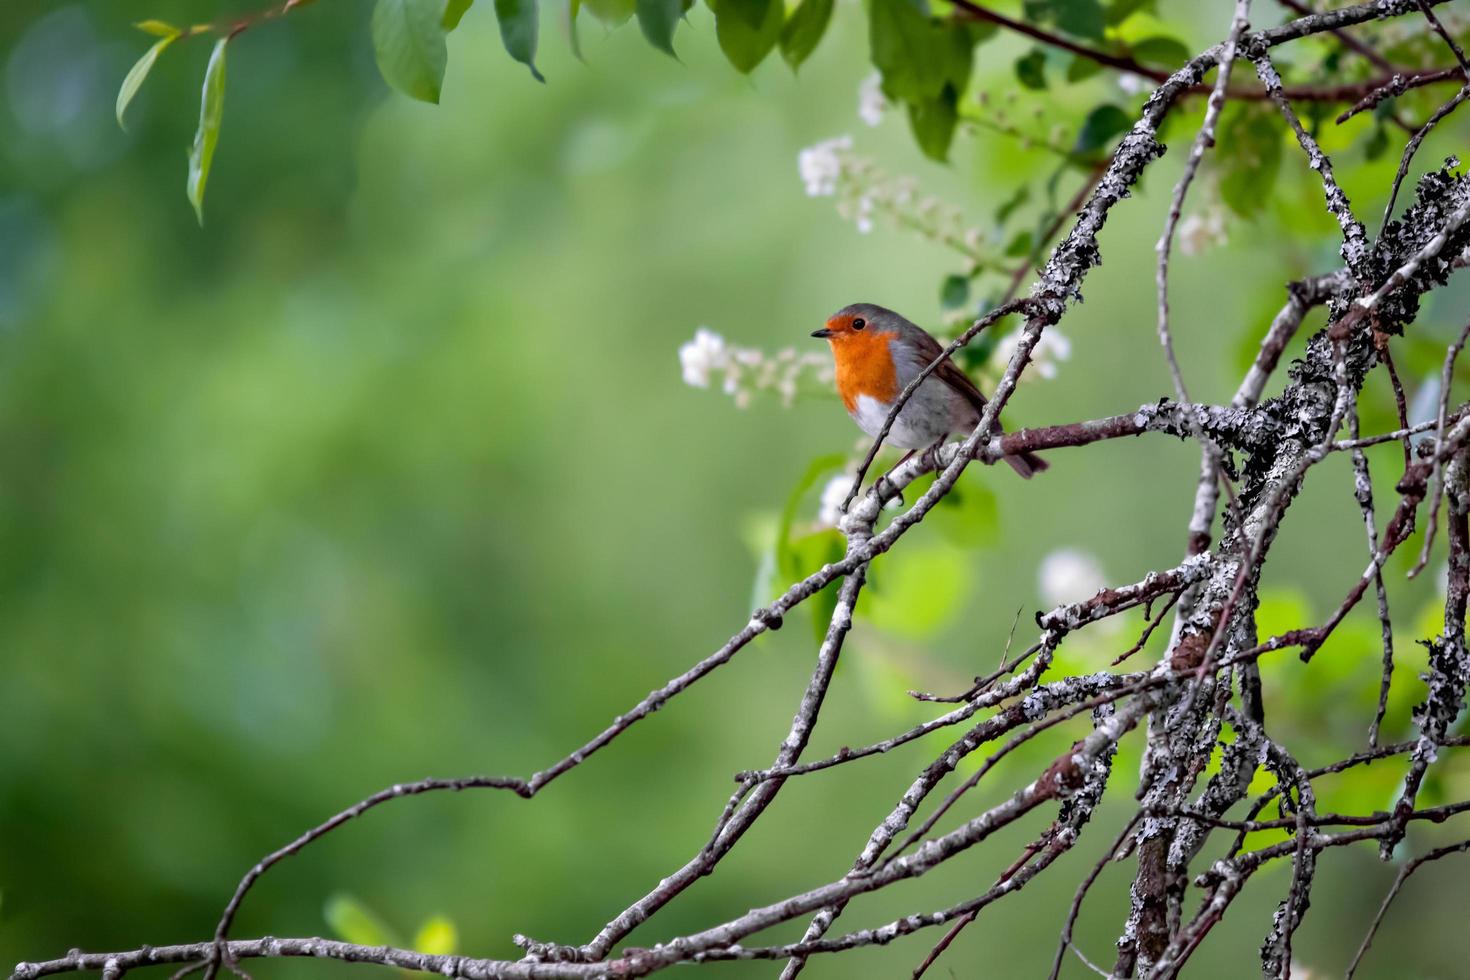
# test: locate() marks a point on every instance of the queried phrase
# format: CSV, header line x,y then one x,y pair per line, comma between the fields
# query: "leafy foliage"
x,y
747,30
658,18
139,72
518,31
1250,169
804,29
350,919
211,114
408,39
924,50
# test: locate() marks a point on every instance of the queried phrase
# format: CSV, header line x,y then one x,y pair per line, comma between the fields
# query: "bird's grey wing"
x,y
927,349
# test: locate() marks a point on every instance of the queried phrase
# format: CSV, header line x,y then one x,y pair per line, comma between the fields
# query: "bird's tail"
x,y
1027,464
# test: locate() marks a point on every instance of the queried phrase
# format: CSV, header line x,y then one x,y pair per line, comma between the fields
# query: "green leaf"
x,y
747,30
612,13
957,54
138,74
519,25
158,28
954,292
968,516
758,531
933,122
811,553
904,41
1282,609
569,10
453,11
1100,126
1079,69
803,30
1019,245
1377,144
657,19
917,591
1084,18
1120,10
1250,157
795,559
211,112
1167,52
1009,206
1031,69
786,562
978,31
437,937
355,923
975,355
408,39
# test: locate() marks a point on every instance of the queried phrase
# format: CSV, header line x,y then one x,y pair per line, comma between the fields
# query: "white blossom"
x,y
872,103
1132,84
1053,348
1069,575
829,512
700,356
1201,231
863,191
820,166
744,371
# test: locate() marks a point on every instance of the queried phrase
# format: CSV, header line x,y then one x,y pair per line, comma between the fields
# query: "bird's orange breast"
x,y
865,367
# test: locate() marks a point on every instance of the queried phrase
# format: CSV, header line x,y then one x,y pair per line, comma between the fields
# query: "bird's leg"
x,y
933,451
897,493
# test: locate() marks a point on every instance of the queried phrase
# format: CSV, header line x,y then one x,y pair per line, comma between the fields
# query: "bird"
x,y
877,353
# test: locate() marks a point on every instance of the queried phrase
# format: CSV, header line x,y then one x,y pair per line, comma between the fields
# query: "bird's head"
x,y
858,322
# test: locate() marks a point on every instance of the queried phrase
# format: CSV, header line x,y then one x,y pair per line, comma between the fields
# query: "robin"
x,y
878,353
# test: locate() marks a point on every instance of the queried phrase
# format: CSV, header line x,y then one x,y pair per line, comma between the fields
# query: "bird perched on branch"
x,y
878,353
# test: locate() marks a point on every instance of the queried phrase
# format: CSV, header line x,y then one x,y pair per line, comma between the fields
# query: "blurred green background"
x,y
389,472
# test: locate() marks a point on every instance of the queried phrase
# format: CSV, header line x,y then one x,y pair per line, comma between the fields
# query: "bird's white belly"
x,y
932,412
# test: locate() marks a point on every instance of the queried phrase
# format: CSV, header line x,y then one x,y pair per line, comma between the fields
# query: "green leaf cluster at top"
x,y
925,62
924,50
409,40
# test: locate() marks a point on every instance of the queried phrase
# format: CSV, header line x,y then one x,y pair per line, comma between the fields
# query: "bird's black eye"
x,y
858,323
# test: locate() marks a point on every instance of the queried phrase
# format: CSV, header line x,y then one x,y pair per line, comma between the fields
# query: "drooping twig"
x,y
1203,140
1412,147
1393,87
1446,383
1363,493
1393,892
1454,45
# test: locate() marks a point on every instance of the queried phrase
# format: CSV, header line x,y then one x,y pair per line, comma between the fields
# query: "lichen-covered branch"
x,y
1193,783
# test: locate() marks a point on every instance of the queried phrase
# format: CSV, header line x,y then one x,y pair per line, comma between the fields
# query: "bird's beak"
x,y
823,333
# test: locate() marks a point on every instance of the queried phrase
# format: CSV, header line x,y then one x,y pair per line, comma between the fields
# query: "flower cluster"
x,y
1131,84
1051,349
821,166
872,103
831,169
829,511
1069,575
747,370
